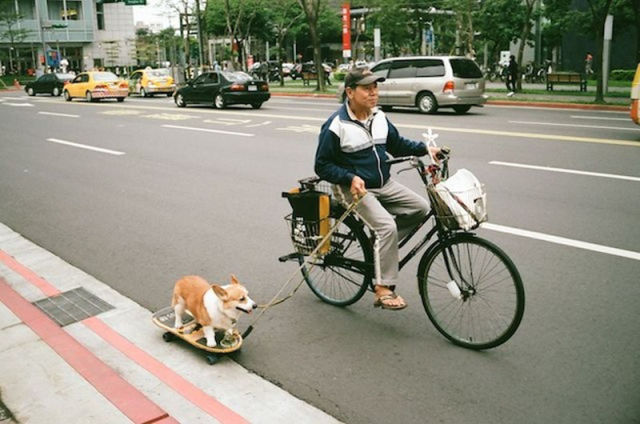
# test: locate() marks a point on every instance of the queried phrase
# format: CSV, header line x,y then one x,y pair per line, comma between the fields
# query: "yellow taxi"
x,y
148,82
95,86
635,97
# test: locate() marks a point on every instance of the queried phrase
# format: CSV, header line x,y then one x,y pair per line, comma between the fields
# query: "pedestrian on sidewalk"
x,y
588,64
512,75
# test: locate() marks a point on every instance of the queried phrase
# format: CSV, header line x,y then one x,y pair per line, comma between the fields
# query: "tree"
x,y
284,14
312,11
8,19
497,28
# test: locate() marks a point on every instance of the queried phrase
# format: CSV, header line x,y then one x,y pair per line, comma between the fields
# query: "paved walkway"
x,y
113,367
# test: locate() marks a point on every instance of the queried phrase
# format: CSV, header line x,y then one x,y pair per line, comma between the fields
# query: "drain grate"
x,y
72,306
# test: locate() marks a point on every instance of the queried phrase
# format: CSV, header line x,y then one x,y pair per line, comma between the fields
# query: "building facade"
x,y
87,33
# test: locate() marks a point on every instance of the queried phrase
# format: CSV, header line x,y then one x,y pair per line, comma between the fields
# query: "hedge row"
x,y
622,74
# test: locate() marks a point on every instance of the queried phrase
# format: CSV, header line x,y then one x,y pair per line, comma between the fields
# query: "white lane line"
x,y
59,114
259,125
18,104
208,130
604,118
84,146
564,241
567,171
574,125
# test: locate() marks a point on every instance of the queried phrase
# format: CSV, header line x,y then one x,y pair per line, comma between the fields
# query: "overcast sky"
x,y
153,12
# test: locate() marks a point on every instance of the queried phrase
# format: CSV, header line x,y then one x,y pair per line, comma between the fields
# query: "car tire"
x,y
219,102
427,103
88,96
256,105
67,96
169,94
120,99
462,109
55,92
180,101
143,92
31,92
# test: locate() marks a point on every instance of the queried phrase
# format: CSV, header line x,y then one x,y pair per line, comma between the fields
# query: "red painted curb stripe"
x,y
31,276
135,405
182,386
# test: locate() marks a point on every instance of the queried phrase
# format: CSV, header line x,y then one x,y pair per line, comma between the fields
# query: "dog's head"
x,y
234,297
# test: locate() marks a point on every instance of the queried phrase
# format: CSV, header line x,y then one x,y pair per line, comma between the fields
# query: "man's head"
x,y
361,88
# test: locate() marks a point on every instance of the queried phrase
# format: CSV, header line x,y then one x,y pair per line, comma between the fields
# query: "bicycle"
x,y
470,289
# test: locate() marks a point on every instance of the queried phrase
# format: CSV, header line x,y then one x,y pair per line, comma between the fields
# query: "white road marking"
x,y
575,125
18,104
259,125
84,146
59,114
567,171
208,130
564,241
313,129
604,118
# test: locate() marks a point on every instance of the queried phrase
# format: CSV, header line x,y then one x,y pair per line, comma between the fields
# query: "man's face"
x,y
363,96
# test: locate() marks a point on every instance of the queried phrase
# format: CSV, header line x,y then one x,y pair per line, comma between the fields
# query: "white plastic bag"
x,y
466,199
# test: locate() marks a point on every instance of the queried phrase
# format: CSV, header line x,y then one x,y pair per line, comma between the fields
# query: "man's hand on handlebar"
x,y
357,187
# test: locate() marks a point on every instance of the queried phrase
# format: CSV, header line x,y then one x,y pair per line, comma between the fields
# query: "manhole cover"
x,y
72,306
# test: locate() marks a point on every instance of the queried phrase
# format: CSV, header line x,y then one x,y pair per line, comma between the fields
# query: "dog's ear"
x,y
234,280
220,292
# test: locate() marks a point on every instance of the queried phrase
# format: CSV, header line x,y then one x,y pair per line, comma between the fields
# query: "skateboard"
x,y
192,333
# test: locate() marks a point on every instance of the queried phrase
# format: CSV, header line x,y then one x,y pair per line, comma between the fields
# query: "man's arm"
x,y
400,146
326,154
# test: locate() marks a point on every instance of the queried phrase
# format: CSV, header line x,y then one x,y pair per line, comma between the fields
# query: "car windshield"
x,y
104,76
158,73
237,76
465,68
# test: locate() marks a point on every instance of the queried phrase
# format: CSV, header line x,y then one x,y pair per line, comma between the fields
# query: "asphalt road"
x,y
197,191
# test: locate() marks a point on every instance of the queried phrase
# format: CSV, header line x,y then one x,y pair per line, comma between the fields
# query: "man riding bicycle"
x,y
352,154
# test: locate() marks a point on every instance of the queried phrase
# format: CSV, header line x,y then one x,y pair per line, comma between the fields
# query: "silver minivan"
x,y
430,83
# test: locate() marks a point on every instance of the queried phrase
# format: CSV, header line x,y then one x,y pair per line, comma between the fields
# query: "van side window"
x,y
381,69
429,68
403,69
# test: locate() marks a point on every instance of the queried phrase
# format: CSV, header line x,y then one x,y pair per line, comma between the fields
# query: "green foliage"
x,y
339,76
622,74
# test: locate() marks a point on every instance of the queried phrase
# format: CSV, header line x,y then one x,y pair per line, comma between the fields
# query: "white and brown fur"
x,y
211,305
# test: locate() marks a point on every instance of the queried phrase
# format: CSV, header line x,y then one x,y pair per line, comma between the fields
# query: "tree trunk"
x,y
598,64
317,57
526,29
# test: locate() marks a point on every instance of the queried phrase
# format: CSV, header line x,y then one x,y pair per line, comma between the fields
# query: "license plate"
x,y
471,85
253,88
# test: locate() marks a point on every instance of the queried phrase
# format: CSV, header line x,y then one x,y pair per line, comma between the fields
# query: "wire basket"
x,y
459,209
307,234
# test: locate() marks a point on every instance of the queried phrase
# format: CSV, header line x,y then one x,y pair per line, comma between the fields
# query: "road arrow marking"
x,y
59,114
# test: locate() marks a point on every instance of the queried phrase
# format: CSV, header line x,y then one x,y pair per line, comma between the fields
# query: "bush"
x,y
339,76
622,74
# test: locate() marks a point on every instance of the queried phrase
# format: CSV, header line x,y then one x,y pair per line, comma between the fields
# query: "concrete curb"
x,y
41,383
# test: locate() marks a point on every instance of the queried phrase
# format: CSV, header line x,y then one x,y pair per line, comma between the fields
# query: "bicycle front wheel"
x,y
341,277
471,291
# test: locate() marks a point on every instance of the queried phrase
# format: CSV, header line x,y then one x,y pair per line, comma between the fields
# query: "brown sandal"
x,y
380,302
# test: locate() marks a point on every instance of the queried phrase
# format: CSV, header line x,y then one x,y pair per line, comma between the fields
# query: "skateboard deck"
x,y
192,333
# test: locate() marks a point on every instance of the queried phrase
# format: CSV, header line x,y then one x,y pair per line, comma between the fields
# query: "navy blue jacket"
x,y
347,148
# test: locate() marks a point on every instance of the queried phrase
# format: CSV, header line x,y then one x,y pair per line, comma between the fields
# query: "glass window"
x,y
429,68
25,9
104,76
212,78
236,76
201,79
100,15
465,68
403,69
381,69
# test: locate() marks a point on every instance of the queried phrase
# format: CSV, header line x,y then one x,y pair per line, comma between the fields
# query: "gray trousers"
x,y
391,212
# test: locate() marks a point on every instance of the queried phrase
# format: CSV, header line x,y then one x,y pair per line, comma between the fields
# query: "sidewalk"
x,y
108,363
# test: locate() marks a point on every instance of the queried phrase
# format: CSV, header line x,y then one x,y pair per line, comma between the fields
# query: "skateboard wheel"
x,y
212,359
168,337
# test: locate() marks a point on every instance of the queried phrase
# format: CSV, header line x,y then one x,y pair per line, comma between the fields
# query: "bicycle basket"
x,y
460,202
309,222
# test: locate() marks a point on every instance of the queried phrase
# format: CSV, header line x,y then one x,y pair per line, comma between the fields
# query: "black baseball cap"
x,y
361,77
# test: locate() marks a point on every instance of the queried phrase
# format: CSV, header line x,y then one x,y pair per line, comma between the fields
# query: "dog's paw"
x,y
211,343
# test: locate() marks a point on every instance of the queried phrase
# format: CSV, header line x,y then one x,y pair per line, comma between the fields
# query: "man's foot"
x,y
511,93
387,299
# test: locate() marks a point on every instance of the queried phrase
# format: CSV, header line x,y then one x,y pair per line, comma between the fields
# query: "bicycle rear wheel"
x,y
490,304
341,277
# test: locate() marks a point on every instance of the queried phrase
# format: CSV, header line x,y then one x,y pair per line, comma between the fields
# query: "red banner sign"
x,y
346,29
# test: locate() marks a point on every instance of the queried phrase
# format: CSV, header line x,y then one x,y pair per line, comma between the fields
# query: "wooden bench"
x,y
308,76
566,78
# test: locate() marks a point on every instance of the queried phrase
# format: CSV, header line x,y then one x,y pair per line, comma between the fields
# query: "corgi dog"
x,y
211,305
